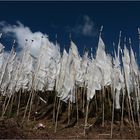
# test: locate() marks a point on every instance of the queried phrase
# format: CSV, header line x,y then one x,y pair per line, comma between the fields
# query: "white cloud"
x,y
86,27
22,33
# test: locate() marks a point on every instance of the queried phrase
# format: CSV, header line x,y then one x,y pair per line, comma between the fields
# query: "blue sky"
x,y
82,19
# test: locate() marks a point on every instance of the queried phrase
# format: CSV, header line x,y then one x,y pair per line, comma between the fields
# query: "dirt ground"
x,y
13,129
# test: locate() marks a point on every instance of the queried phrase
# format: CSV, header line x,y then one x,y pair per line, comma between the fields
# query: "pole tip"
x,y
129,40
14,41
0,35
125,40
120,34
138,30
101,29
113,44
70,36
55,36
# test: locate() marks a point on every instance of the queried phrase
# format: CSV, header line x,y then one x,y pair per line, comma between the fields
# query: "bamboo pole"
x,y
112,113
96,105
56,123
4,104
30,94
131,111
69,108
122,110
19,98
86,118
5,108
84,92
54,109
31,102
12,100
103,107
138,107
76,95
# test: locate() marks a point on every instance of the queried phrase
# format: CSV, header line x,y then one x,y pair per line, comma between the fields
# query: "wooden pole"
x,y
131,111
103,106
69,108
58,108
30,94
84,92
5,107
86,118
112,112
31,102
19,98
76,95
54,109
11,105
4,104
138,106
122,109
96,102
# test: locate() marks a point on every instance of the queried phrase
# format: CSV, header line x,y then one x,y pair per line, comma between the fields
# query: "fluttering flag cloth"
x,y
49,71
